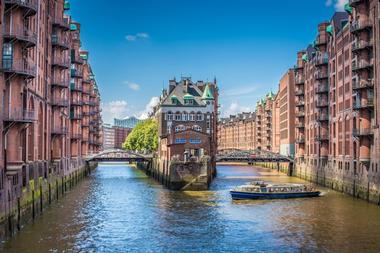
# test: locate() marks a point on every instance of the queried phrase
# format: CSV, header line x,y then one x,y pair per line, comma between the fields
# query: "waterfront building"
x,y
43,132
264,122
238,132
121,134
129,122
108,136
284,116
187,123
337,102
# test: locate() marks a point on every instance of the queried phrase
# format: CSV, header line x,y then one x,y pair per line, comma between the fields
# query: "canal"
x,y
119,209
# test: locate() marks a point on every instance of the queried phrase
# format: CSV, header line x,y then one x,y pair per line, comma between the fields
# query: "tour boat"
x,y
262,190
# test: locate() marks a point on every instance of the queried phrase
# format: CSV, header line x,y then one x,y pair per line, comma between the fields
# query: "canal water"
x,y
119,209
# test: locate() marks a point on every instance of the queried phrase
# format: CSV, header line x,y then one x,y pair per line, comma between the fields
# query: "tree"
x,y
144,137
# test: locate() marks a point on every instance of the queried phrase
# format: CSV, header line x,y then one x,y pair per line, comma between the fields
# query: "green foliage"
x,y
144,137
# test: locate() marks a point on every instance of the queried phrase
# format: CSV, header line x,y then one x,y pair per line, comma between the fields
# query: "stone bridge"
x,y
252,156
119,155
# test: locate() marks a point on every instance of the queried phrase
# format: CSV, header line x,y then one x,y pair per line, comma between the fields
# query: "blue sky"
x,y
136,46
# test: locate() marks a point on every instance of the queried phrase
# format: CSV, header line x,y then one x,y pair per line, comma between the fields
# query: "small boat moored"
x,y
262,190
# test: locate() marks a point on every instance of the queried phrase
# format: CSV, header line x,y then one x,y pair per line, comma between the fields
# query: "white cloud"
x,y
137,36
338,4
235,108
132,85
114,109
143,35
245,90
149,108
130,37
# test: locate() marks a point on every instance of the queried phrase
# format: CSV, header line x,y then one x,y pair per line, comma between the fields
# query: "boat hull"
x,y
236,195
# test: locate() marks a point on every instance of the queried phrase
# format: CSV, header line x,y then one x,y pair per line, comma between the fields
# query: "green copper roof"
x,y
305,57
270,96
348,8
330,29
207,94
263,102
73,27
84,56
188,96
66,6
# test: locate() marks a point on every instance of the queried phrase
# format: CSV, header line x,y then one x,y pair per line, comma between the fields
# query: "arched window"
x,y
197,128
169,116
178,116
200,116
180,128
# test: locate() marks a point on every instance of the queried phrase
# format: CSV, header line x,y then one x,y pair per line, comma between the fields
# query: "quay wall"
x,y
38,195
336,175
180,175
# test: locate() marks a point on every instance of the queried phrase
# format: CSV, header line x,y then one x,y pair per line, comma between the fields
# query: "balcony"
x,y
76,115
60,102
362,84
322,88
320,75
300,114
76,73
300,140
60,41
29,6
85,124
322,117
59,130
321,60
300,125
60,63
60,82
362,65
300,102
322,103
76,136
20,115
321,40
360,25
299,80
300,92
362,132
322,137
361,45
22,35
363,104
63,23
19,67
298,67
75,58
76,102
75,87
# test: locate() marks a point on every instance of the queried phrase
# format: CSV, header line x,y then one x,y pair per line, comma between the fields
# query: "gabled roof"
x,y
207,94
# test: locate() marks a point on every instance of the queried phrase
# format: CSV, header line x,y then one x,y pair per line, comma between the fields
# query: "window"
x,y
189,101
180,128
195,141
191,117
197,128
169,116
184,117
199,117
178,117
180,141
7,55
169,128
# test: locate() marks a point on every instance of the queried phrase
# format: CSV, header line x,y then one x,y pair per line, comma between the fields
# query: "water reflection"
x,y
119,209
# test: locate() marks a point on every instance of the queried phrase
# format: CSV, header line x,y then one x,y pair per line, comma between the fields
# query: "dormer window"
x,y
189,99
174,99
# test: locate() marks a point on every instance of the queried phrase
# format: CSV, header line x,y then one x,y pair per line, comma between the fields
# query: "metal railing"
x,y
322,137
76,87
56,101
58,61
364,104
76,102
362,132
322,88
60,82
322,103
17,114
19,66
356,45
362,83
21,33
31,4
359,25
62,22
322,117
59,40
356,65
321,75
59,130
